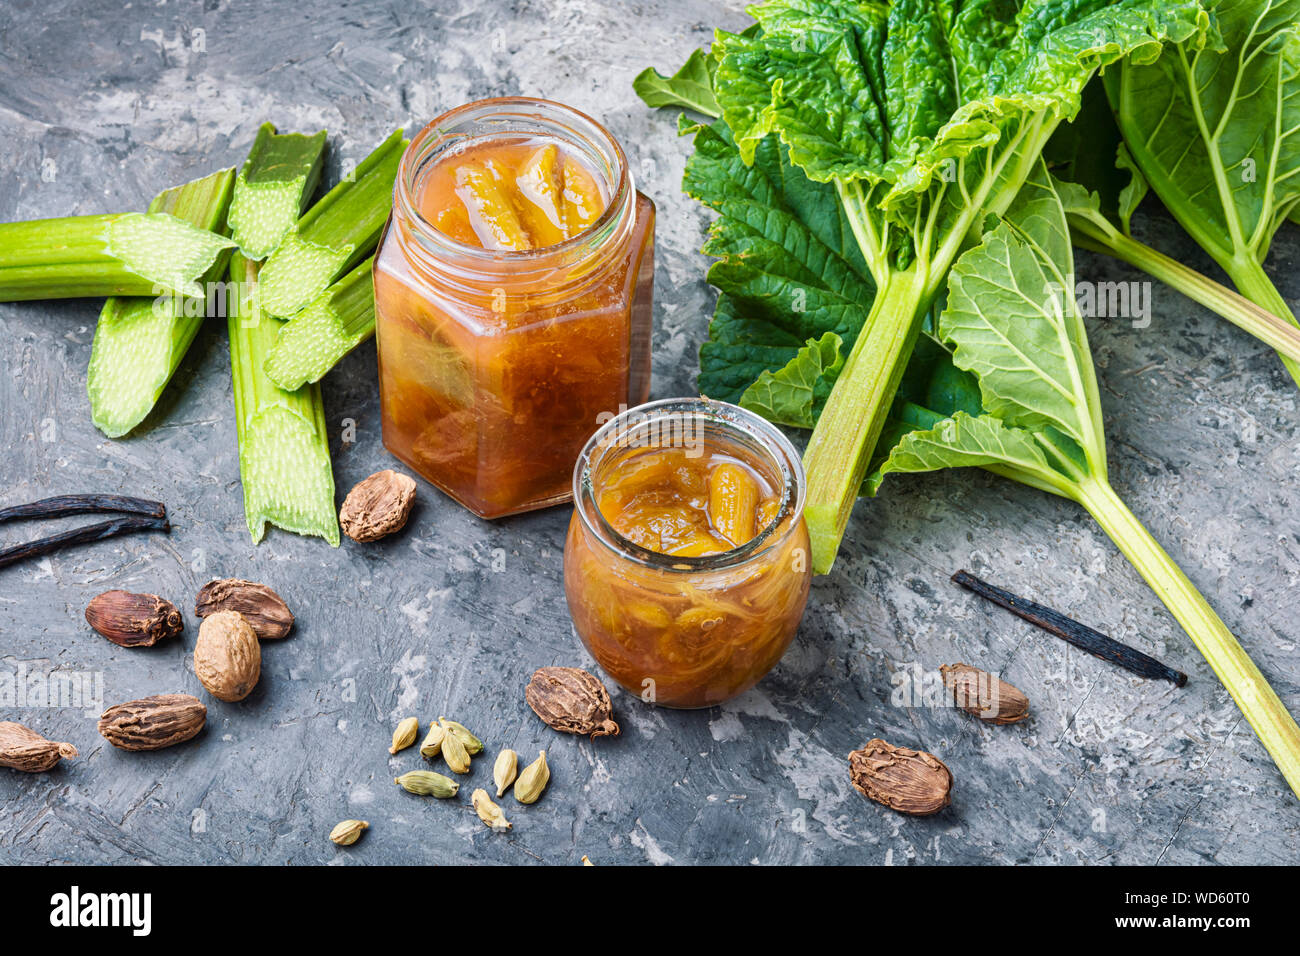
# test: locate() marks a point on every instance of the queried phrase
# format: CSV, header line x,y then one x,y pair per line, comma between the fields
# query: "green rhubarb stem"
x,y
284,457
1273,724
140,341
334,235
840,449
1253,282
273,188
116,254
1265,325
317,338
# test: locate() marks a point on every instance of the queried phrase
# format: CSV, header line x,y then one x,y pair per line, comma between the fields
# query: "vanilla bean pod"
x,y
64,505
1071,631
93,532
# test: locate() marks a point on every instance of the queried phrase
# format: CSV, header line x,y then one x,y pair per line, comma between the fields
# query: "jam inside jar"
x,y
513,291
686,565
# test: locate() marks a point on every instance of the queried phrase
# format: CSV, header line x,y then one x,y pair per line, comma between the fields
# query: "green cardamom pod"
x,y
533,780
404,735
348,832
488,811
472,744
426,783
454,752
505,770
432,745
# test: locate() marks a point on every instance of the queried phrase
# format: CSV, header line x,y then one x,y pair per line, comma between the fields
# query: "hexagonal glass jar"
x,y
496,366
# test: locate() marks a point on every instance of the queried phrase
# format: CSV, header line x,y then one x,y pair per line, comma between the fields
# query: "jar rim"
x,y
589,131
782,453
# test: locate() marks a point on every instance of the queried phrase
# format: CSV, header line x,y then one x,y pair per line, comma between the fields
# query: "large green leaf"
x,y
691,87
1012,320
1216,131
925,118
789,270
942,108
1012,326
790,395
963,441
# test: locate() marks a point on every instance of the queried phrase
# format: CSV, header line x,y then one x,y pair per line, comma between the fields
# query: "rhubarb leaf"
x,y
789,396
926,118
691,87
789,269
1215,131
1012,321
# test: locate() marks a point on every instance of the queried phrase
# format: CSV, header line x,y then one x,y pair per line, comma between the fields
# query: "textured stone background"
x,y
114,101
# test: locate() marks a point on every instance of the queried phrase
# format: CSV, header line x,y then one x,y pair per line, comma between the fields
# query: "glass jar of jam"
x,y
512,300
686,565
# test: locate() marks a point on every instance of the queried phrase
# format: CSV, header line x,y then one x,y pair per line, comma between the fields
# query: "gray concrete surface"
x,y
102,104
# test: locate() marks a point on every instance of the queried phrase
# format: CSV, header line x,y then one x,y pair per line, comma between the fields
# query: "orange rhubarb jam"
x,y
513,300
686,563
512,194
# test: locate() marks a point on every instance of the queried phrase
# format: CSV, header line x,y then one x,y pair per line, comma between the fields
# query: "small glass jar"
x,y
687,631
495,366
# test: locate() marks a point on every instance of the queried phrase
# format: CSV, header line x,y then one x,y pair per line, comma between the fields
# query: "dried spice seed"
x,y
404,734
133,620
349,832
571,701
426,783
454,752
909,781
152,723
533,780
489,812
472,744
432,745
982,695
378,506
227,656
22,748
265,610
505,770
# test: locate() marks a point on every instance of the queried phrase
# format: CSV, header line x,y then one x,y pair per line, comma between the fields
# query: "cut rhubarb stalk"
x,y
284,455
131,253
273,189
140,341
334,235
313,342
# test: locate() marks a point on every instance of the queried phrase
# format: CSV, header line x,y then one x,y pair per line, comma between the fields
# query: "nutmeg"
x,y
227,657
